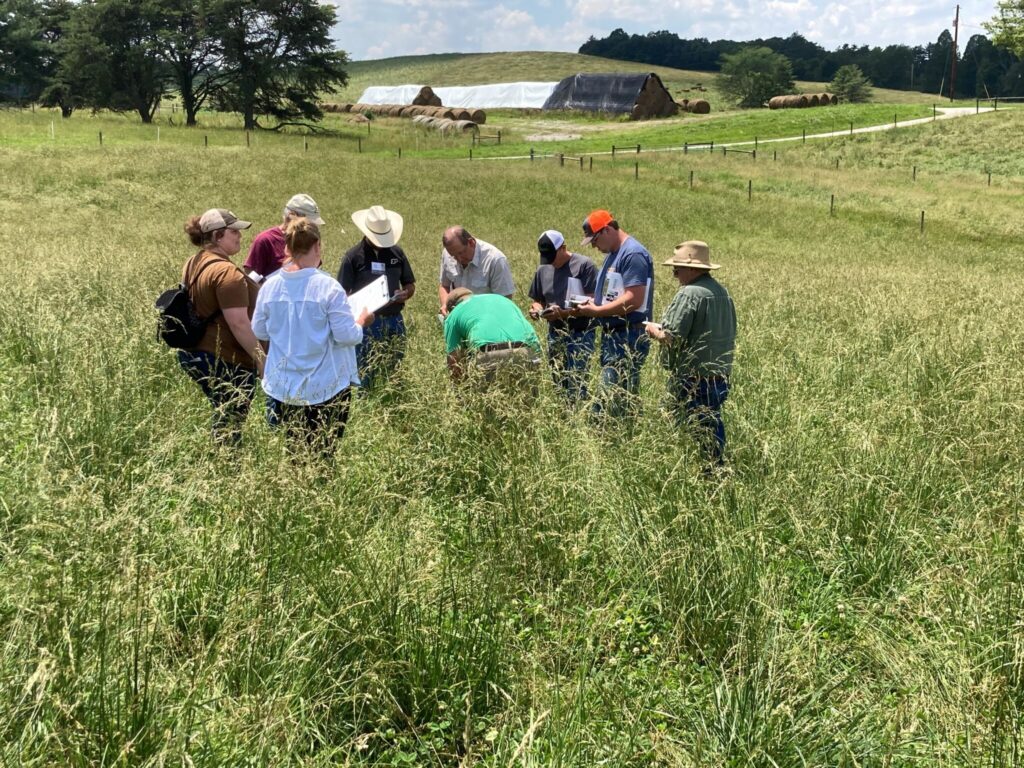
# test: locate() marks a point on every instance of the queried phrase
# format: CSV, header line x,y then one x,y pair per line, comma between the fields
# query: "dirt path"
x,y
943,113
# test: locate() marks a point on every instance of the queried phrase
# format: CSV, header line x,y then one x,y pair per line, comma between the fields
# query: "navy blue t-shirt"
x,y
633,263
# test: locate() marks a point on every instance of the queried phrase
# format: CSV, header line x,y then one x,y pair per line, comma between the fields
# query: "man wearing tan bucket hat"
x,y
698,334
377,254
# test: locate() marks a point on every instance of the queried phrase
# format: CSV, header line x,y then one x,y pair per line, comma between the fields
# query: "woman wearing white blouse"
x,y
311,362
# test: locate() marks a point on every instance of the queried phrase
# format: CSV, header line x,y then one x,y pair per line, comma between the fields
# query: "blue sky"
x,y
374,29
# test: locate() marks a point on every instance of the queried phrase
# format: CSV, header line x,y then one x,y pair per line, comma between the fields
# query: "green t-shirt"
x,y
702,321
486,318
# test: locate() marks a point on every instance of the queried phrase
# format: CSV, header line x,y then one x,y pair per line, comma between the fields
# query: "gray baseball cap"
x,y
304,205
221,218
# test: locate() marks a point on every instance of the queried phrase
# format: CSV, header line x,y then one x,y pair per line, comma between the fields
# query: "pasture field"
x,y
444,69
520,589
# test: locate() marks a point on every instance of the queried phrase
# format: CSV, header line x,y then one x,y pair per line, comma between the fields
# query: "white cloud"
x,y
404,27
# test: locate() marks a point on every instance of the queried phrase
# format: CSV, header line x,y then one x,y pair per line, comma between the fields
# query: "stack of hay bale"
x,y
654,100
444,124
477,116
697,106
802,100
426,98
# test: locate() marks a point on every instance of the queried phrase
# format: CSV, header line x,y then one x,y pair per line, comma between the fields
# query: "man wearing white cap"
x,y
698,332
266,254
377,254
562,281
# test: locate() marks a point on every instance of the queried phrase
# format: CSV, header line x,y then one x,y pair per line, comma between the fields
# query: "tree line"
x,y
265,59
983,68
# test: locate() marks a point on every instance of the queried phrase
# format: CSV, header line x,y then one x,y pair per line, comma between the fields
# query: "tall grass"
x,y
518,589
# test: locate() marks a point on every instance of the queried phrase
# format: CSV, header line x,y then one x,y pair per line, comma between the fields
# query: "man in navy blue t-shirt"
x,y
623,302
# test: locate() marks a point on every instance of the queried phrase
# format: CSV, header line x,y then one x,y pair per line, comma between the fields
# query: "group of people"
x,y
284,320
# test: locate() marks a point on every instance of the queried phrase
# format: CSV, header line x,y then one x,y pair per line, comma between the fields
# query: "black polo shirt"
x,y
365,262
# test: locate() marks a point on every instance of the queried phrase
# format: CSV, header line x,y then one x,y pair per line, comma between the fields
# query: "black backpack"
x,y
178,325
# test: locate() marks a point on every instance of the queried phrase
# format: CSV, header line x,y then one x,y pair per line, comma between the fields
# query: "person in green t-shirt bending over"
x,y
488,333
698,332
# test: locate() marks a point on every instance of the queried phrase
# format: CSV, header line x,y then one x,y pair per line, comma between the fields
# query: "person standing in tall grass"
x,y
698,332
227,359
378,255
623,302
311,362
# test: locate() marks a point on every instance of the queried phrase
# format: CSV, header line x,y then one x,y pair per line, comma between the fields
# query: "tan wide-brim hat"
x,y
383,228
692,253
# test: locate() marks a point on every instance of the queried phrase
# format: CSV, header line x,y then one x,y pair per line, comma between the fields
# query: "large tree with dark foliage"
x,y
109,59
754,75
279,58
905,67
187,38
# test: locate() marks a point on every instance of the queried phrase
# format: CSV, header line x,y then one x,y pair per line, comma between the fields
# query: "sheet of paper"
x,y
371,298
573,287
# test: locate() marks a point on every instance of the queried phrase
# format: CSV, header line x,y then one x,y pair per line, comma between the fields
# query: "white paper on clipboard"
x,y
371,298
574,287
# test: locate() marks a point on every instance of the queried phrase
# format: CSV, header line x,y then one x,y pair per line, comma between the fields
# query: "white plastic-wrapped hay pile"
x,y
802,101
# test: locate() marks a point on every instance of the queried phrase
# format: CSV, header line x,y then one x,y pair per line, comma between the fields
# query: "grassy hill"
x,y
466,584
445,69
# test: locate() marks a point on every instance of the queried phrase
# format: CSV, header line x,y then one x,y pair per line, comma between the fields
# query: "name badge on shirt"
x,y
377,267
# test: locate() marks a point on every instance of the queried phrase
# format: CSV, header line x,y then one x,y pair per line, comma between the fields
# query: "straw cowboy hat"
x,y
383,228
692,253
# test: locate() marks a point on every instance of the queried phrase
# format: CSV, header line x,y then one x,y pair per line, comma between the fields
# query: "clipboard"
x,y
371,298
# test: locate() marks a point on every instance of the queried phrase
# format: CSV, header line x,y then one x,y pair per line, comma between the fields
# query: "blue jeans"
x,y
623,352
569,354
381,350
229,388
321,425
698,404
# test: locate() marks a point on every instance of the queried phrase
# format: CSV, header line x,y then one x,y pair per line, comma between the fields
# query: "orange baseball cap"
x,y
594,223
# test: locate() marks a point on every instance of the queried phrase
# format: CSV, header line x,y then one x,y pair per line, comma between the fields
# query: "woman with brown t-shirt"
x,y
227,359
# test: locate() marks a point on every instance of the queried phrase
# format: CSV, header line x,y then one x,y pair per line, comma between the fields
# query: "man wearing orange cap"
x,y
623,302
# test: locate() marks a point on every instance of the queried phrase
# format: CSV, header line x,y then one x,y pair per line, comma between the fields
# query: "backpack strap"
x,y
191,284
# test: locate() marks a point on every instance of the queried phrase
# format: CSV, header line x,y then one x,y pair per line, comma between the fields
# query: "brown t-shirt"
x,y
222,285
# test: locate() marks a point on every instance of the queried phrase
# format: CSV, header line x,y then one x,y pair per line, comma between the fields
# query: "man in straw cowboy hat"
x,y
377,254
698,332
266,254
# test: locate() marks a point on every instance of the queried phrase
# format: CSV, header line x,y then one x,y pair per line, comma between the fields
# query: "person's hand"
x,y
400,296
586,309
655,331
554,313
365,318
534,313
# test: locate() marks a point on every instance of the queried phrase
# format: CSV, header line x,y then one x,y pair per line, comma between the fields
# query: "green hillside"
x,y
445,69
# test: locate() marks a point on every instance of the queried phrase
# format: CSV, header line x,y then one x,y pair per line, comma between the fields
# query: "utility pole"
x,y
956,35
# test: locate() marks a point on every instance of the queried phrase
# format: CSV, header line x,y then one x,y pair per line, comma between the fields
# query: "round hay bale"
x,y
700,107
465,126
777,102
812,100
462,114
447,113
395,111
478,116
833,98
824,100
418,119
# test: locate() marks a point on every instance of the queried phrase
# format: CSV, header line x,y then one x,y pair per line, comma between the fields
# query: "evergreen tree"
x,y
278,59
850,85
